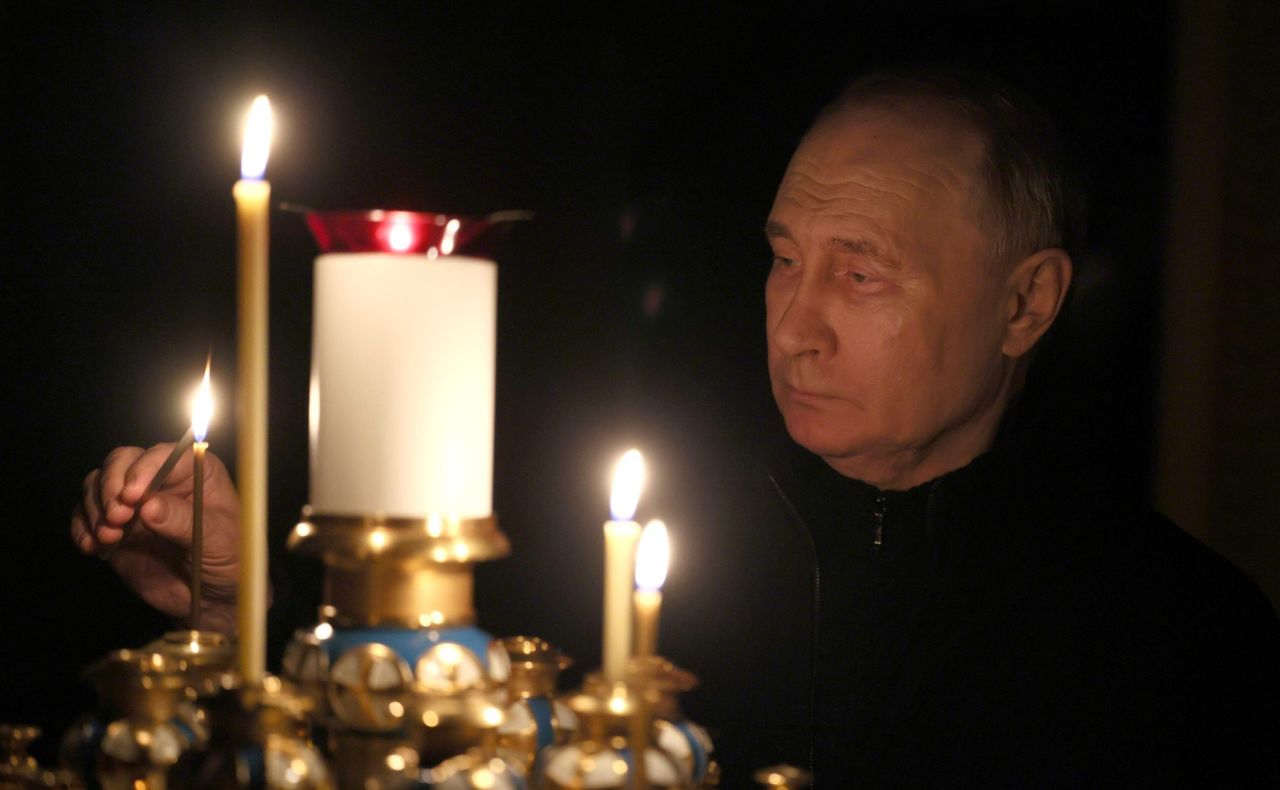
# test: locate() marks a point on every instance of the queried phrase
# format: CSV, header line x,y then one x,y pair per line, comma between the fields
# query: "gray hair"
x,y
1032,202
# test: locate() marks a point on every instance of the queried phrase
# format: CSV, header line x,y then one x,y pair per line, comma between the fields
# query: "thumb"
x,y
168,516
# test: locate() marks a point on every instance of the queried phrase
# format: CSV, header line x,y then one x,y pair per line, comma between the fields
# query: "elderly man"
x,y
913,598
971,615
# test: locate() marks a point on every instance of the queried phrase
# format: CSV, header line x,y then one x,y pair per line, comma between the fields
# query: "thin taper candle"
x,y
201,413
620,537
197,532
252,194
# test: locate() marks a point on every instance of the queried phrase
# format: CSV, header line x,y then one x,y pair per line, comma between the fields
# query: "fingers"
x,y
88,522
109,508
80,534
169,516
138,475
90,497
219,491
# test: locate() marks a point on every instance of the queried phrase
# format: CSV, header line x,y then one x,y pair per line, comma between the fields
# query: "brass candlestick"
x,y
398,624
535,719
605,752
207,656
688,743
136,739
260,740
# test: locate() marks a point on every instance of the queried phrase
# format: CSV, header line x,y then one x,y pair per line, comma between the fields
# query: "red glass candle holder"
x,y
409,232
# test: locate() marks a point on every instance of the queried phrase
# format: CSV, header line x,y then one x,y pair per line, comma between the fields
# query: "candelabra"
x,y
395,687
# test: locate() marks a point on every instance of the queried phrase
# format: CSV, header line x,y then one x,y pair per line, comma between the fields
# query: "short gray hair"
x,y
1032,202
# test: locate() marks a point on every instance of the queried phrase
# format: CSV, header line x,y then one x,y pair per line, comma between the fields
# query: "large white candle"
x,y
620,537
402,384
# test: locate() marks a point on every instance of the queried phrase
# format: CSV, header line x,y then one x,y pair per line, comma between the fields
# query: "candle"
x,y
652,557
201,413
252,194
402,387
620,537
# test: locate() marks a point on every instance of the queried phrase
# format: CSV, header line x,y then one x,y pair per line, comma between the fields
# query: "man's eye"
x,y
781,262
859,277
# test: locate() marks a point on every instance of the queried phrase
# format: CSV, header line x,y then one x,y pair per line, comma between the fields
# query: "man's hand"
x,y
152,552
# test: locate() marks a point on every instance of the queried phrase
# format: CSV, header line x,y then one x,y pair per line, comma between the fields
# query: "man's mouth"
x,y
799,395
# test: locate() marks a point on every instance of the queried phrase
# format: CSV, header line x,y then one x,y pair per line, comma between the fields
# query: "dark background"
x,y
648,142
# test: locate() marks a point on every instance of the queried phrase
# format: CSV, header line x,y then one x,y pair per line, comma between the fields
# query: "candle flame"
x,y
628,477
202,409
653,554
257,140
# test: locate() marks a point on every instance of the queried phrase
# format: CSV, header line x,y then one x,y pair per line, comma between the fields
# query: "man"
x,y
910,597
975,615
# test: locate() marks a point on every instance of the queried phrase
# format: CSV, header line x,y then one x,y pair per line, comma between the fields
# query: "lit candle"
x,y
620,537
652,557
403,368
201,413
252,194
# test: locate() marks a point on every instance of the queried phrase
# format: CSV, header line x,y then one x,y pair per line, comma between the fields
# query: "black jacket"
x,y
998,626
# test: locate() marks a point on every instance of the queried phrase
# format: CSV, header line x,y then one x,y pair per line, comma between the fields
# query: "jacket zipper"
x,y
878,518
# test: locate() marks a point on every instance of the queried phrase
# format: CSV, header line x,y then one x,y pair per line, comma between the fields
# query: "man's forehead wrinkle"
x,y
850,185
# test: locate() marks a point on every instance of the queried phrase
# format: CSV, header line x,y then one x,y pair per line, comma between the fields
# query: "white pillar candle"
x,y
402,384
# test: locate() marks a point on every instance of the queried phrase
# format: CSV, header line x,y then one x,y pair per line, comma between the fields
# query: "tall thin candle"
x,y
252,194
620,537
201,413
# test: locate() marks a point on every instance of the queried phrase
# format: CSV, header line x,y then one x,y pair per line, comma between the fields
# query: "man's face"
x,y
884,317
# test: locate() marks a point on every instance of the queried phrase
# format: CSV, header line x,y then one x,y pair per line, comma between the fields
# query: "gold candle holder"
x,y
136,740
208,657
404,572
685,741
260,740
445,726
397,629
614,746
535,719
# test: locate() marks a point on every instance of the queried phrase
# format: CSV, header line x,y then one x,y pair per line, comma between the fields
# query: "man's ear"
x,y
1036,288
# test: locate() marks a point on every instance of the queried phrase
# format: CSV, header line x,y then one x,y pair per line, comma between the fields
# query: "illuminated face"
x,y
884,319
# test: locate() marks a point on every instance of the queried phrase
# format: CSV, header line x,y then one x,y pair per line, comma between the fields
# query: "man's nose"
x,y
801,327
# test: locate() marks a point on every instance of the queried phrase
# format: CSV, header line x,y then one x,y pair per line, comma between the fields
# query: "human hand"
x,y
149,546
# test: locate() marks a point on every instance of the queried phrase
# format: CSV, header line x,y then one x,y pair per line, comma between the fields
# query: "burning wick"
x,y
201,413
